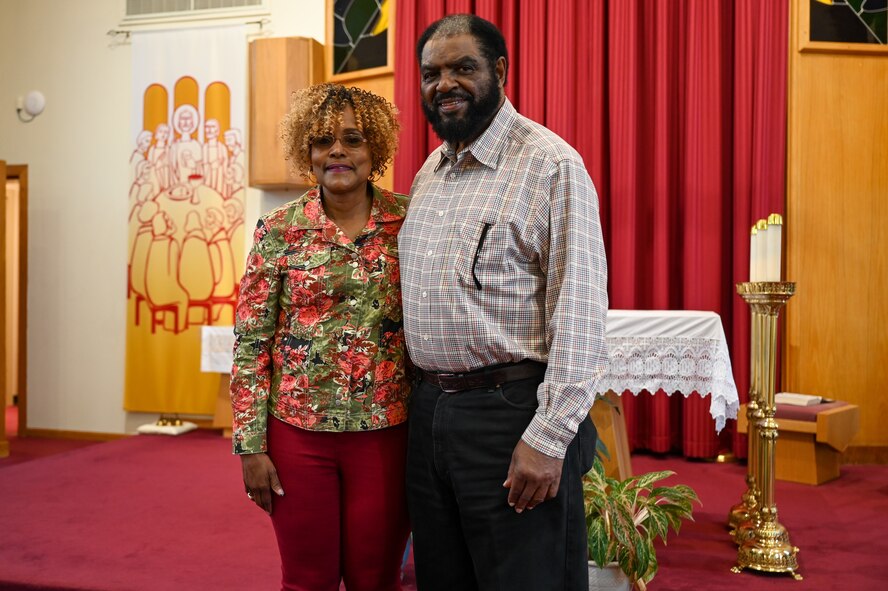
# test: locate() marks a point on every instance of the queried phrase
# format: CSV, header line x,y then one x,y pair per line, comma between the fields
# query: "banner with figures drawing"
x,y
186,211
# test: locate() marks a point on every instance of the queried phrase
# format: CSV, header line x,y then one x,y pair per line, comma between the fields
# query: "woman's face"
x,y
345,165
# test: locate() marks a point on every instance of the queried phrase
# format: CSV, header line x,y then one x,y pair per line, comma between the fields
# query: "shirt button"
x,y
425,337
431,252
425,294
452,175
440,214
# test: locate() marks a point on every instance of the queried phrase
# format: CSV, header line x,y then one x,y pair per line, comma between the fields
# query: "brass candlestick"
x,y
743,514
764,542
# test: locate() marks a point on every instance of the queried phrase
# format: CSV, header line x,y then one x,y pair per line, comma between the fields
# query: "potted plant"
x,y
623,520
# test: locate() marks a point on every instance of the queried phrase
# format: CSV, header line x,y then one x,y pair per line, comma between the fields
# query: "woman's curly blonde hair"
x,y
316,110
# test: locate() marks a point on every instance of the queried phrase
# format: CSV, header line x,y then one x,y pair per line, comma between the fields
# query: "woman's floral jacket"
x,y
319,338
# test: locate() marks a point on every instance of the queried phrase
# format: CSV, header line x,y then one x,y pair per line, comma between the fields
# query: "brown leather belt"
x,y
486,377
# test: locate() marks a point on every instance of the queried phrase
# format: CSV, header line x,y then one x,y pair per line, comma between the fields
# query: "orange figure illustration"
x,y
215,158
140,153
186,210
235,213
164,294
159,157
196,268
140,243
186,151
143,188
234,174
223,260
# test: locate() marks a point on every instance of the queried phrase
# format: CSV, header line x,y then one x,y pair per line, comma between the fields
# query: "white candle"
x,y
774,247
761,250
753,254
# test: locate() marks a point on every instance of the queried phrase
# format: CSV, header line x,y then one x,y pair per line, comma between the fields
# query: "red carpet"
x,y
839,528
143,513
25,449
155,512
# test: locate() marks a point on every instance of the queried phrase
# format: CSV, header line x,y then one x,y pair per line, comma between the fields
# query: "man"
x,y
504,289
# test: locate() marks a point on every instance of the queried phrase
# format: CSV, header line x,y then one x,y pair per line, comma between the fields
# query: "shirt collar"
x,y
488,146
309,214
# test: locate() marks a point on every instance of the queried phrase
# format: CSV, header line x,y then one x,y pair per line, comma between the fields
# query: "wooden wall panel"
x,y
4,444
837,230
19,173
13,303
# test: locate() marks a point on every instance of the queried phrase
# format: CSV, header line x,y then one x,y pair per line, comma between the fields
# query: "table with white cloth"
x,y
681,351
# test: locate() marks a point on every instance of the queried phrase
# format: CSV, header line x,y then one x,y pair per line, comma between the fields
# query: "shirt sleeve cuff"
x,y
249,443
547,437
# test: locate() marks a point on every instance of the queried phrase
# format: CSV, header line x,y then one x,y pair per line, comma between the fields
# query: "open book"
x,y
797,399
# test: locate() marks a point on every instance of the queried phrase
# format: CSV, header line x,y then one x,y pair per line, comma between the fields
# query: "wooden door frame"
x,y
4,443
17,172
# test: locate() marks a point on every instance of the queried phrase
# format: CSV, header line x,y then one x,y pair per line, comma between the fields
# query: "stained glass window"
x,y
360,34
850,21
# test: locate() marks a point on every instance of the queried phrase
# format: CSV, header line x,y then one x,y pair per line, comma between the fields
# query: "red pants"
x,y
343,515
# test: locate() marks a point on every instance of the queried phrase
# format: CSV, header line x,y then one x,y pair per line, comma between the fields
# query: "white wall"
x,y
76,153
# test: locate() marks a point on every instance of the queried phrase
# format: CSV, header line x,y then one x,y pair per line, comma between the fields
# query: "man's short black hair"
x,y
488,36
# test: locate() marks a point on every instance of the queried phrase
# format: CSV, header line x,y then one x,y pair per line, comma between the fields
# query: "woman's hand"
x,y
260,479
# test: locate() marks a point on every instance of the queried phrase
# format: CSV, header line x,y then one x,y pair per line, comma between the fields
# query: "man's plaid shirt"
x,y
502,260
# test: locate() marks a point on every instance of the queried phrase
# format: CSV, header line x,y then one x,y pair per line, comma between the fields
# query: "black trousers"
x,y
465,535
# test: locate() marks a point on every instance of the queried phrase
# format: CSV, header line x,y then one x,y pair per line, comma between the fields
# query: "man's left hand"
x,y
533,477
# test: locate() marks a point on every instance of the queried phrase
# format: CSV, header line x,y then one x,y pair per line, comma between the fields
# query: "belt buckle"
x,y
445,378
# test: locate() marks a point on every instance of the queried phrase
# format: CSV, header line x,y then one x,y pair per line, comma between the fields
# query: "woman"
x,y
318,385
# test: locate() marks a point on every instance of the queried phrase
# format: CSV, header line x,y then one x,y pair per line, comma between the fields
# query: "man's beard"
x,y
479,112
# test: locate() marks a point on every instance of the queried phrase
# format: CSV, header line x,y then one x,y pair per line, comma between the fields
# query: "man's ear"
x,y
500,68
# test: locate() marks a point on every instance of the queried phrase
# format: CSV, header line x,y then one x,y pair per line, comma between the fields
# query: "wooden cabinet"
x,y
278,67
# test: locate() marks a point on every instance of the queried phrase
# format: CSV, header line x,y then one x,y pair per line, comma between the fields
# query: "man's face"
x,y
186,122
461,92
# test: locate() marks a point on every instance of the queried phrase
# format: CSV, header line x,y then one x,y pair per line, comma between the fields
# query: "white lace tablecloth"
x,y
674,351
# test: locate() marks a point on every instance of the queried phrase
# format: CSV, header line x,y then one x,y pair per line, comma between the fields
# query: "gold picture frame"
x,y
357,74
807,45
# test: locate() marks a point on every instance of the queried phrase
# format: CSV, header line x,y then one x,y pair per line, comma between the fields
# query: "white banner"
x,y
186,214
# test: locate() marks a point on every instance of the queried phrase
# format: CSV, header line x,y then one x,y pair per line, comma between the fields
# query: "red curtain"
x,y
679,111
